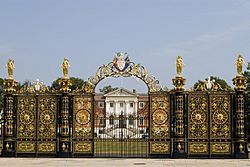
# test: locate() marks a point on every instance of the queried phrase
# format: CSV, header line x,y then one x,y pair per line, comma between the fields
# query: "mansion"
x,y
121,114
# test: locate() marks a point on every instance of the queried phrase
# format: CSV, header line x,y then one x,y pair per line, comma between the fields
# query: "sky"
x,y
208,34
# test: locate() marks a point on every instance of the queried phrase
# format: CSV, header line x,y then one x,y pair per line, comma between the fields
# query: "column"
x,y
179,140
108,113
127,105
240,135
135,116
9,136
64,138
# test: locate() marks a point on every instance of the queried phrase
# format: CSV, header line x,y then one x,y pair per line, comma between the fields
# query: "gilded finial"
x,y
179,65
11,67
239,64
65,68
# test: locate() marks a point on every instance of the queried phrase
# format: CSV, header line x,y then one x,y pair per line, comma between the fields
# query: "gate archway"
x,y
122,123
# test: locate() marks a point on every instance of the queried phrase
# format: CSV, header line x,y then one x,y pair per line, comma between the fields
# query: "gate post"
x,y
64,139
64,143
179,131
240,144
9,132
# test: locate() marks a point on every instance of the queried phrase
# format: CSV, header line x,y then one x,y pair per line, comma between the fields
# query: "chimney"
x,y
134,91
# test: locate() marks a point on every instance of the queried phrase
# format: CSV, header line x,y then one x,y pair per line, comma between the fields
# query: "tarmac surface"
x,y
97,162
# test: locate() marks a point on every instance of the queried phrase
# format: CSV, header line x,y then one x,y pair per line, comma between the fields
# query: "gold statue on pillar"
x,y
239,63
179,65
65,68
11,67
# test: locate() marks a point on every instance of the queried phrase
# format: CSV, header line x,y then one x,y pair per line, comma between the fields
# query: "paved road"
x,y
58,162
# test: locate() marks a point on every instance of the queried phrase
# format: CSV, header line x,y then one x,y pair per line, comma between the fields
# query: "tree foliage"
x,y
218,80
107,89
76,83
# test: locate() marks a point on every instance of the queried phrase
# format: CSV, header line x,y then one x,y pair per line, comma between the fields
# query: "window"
x,y
141,121
101,104
131,120
101,131
111,105
102,120
121,104
111,120
141,105
131,105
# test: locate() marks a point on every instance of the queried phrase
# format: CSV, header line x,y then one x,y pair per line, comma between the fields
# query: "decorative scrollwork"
x,y
82,117
198,116
26,147
35,87
160,148
220,116
221,148
160,117
198,148
82,147
122,66
26,117
47,117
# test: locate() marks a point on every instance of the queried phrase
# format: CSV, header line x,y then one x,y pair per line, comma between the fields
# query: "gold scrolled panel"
x,y
159,147
220,148
46,147
26,117
82,147
26,147
220,124
198,116
82,122
160,117
47,106
198,148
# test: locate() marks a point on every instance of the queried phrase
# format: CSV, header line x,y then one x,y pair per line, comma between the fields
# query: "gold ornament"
x,y
11,67
65,67
179,65
239,64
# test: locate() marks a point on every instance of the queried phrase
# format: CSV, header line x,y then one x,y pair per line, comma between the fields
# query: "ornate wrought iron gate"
x,y
36,124
207,123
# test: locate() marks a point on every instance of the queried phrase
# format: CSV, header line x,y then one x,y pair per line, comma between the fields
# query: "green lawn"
x,y
120,147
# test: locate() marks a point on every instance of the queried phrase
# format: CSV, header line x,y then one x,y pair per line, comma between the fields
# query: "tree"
x,y
107,89
76,83
217,80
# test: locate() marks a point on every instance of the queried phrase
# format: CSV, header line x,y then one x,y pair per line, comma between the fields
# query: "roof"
x,y
121,92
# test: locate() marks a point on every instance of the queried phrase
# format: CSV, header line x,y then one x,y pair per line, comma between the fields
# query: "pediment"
x,y
121,92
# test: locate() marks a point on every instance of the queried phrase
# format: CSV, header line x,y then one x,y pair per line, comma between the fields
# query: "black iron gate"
x,y
207,122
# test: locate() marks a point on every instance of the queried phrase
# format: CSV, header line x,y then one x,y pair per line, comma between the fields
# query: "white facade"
x,y
121,115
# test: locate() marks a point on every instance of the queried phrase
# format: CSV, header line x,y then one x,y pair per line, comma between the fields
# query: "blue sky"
x,y
208,34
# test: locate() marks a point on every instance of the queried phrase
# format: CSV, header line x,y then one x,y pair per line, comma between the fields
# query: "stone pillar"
x,y
240,135
179,140
9,136
64,144
127,105
136,115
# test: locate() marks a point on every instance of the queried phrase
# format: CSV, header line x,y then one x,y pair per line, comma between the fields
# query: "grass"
x,y
120,147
